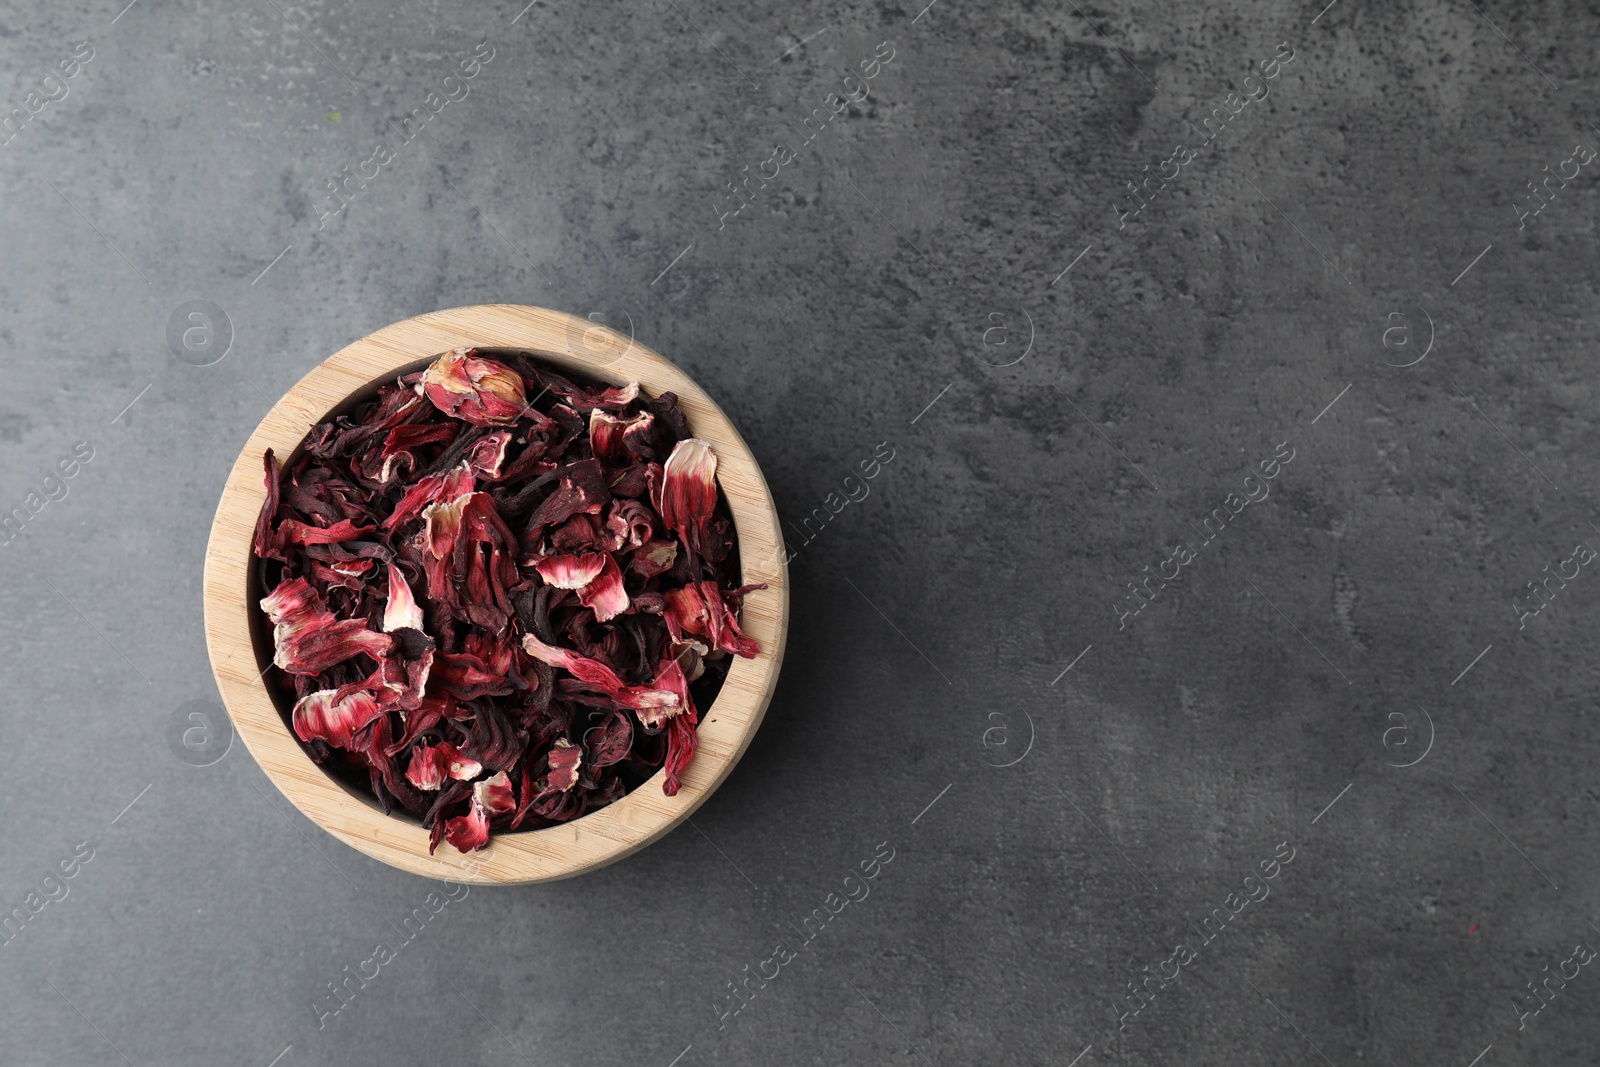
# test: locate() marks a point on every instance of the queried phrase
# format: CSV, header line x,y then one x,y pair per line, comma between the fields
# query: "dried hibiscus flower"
x,y
500,613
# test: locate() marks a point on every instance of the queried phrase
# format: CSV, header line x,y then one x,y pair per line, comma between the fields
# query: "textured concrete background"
x,y
900,281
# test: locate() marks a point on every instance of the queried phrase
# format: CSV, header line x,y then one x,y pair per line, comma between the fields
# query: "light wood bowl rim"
x,y
598,838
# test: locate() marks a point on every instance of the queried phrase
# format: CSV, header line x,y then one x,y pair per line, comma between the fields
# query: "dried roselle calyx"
x,y
479,391
490,610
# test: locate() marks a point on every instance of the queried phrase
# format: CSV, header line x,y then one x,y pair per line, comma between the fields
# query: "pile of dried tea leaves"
x,y
500,592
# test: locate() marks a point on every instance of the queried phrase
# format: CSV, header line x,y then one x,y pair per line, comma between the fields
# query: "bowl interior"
x,y
348,779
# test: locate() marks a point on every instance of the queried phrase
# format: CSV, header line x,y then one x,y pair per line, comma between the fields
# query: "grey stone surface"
x,y
883,288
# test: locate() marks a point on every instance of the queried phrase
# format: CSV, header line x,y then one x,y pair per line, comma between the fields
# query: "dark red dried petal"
x,y
565,757
430,710
610,437
609,742
680,750
557,806
699,608
265,545
653,558
582,489
466,676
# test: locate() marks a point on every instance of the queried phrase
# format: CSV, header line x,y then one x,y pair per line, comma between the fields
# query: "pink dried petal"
x,y
291,599
435,763
690,656
321,645
307,637
581,399
631,524
619,396
442,526
654,706
671,680
396,466
688,492
350,574
564,760
324,715
457,482
605,594
494,794
589,670
596,674
594,575
468,832
608,435
571,571
637,434
605,437
459,766
294,532
480,391
488,454
427,769
433,489
402,610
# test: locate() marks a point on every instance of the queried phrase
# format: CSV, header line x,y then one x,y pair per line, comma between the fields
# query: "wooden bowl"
x,y
240,643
